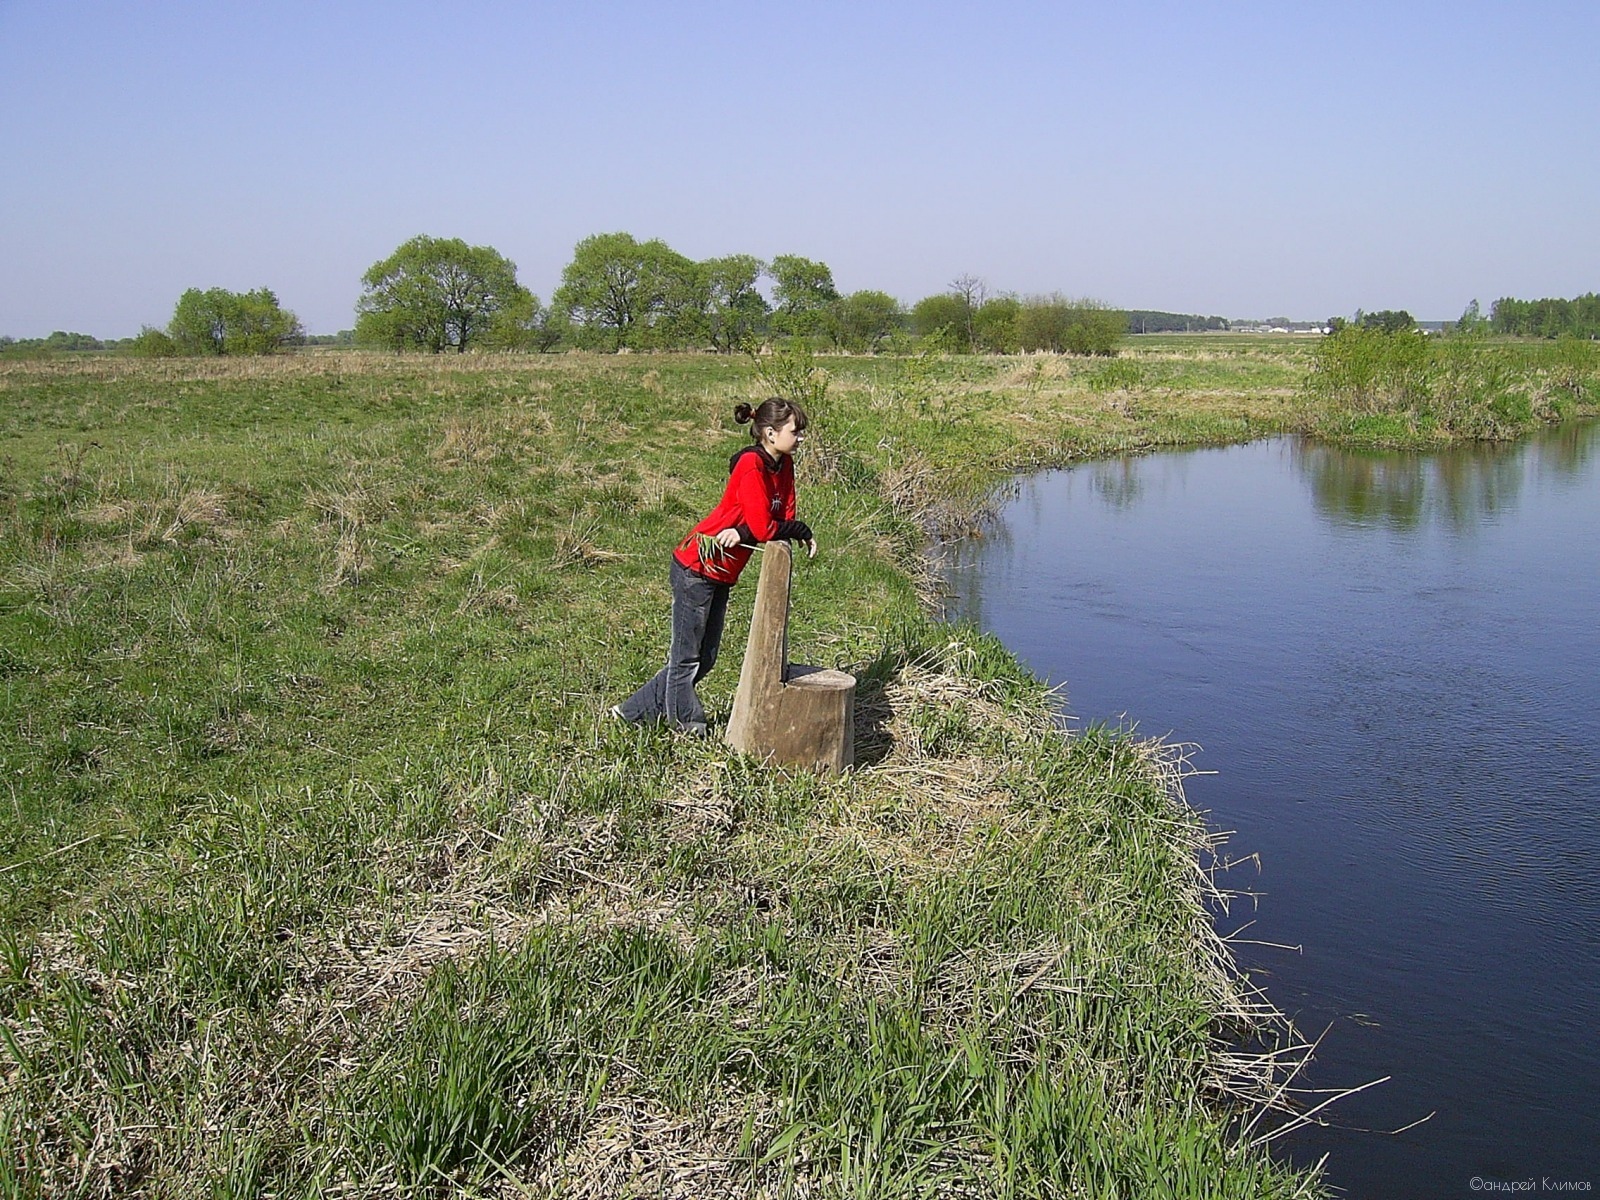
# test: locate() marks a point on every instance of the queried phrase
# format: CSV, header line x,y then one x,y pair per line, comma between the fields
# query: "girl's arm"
x,y
755,501
799,531
755,505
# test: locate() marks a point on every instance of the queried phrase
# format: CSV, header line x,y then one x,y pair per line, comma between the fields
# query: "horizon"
x,y
1236,161
1232,320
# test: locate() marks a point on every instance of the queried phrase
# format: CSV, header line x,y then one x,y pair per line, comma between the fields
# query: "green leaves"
x,y
217,321
803,291
438,294
1058,324
624,293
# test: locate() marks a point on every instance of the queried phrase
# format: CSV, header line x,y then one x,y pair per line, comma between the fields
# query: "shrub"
x,y
1370,371
152,343
217,321
1119,375
1385,386
996,325
1057,324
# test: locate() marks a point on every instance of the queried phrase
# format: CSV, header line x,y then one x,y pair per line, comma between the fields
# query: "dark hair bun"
x,y
742,413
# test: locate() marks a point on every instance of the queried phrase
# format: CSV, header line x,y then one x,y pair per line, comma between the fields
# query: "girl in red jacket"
x,y
757,506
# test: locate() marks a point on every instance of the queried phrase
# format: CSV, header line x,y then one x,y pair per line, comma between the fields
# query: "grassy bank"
x,y
1367,387
323,873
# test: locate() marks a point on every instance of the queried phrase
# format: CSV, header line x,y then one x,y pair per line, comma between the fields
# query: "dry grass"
x,y
631,1147
578,543
481,437
177,511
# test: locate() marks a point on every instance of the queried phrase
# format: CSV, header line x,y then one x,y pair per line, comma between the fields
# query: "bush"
x,y
942,320
217,321
1095,329
996,325
1381,386
1059,325
152,343
1370,371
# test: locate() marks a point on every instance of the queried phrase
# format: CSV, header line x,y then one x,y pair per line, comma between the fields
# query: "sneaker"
x,y
616,711
694,729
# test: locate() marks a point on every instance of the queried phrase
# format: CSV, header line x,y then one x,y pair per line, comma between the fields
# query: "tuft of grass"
x,y
577,544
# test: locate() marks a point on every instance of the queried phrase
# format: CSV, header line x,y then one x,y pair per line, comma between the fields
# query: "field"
x,y
323,872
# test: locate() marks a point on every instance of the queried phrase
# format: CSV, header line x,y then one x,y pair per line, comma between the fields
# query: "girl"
x,y
757,506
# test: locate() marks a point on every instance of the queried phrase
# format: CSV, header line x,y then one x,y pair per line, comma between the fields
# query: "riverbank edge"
x,y
983,682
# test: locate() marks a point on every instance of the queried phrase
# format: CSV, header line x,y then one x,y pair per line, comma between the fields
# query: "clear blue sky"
x,y
1242,159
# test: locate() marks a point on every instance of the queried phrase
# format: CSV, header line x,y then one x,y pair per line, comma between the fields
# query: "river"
x,y
1390,664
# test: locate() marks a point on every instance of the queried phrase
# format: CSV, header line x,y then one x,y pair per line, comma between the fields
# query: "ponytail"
x,y
773,413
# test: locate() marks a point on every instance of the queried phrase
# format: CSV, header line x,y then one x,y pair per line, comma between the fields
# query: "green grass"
x,y
323,872
1402,389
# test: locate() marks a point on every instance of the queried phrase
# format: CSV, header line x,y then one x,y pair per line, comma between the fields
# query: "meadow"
x,y
323,871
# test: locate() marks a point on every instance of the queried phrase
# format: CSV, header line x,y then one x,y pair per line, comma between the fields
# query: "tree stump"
x,y
798,715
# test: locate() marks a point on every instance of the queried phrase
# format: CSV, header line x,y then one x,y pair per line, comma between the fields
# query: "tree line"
x,y
1549,318
1388,320
436,295
1142,320
619,293
440,294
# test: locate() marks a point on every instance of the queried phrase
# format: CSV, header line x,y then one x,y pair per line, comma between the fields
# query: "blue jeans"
x,y
698,609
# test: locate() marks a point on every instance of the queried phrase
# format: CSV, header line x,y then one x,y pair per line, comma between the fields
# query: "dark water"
x,y
1392,663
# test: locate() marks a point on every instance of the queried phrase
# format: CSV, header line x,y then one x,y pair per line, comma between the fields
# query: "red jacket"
x,y
758,501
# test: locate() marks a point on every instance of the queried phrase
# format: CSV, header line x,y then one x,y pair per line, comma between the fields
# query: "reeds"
x,y
1370,386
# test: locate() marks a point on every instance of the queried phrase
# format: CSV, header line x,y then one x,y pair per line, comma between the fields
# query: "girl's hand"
x,y
728,538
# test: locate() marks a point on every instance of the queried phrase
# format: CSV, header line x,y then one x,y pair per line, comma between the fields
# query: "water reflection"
x,y
1359,489
1117,482
1392,664
1462,487
1564,451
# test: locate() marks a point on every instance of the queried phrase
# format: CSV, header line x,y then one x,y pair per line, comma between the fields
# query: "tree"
x,y
1077,326
1387,321
735,309
623,292
1146,320
861,320
972,322
680,294
521,324
802,290
436,294
995,325
217,321
1095,328
971,292
258,324
1042,323
61,341
1471,322
152,343
1548,317
944,317
199,323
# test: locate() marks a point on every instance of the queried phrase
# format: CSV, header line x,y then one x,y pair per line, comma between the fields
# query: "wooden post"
x,y
802,716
